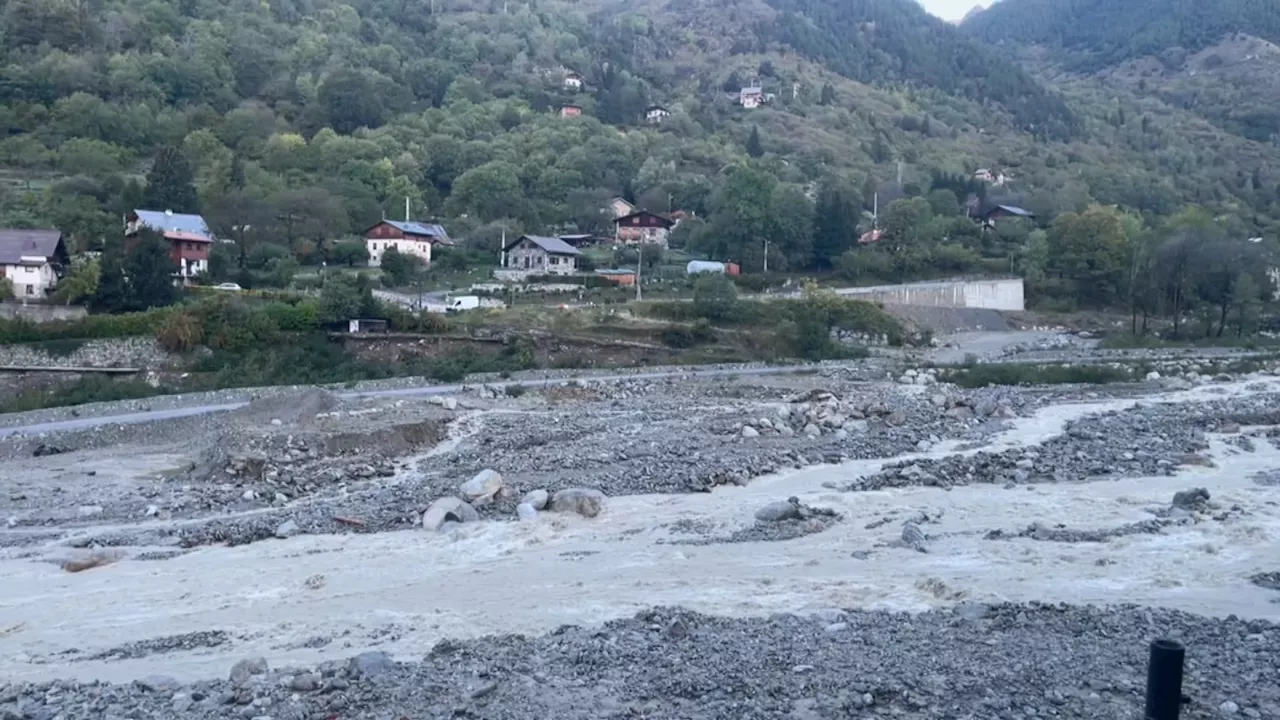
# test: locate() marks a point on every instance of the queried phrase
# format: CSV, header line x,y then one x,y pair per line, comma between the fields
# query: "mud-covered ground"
x,y
793,513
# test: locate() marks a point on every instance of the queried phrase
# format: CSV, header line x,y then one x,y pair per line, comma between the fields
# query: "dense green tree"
x,y
351,100
170,183
112,294
80,282
740,221
399,269
350,253
490,192
754,148
1091,250
148,270
835,224
715,298
344,297
791,233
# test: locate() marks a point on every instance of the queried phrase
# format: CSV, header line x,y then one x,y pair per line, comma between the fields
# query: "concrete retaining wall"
x,y
1004,294
41,313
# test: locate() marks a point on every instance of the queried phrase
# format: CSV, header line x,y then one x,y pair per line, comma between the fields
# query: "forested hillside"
x,y
1100,33
301,122
886,41
1217,59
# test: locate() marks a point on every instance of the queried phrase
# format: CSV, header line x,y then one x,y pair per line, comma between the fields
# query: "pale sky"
x,y
951,9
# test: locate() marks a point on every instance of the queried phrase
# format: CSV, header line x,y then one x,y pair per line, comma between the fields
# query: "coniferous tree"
x,y
148,270
171,184
828,95
754,148
835,221
112,294
235,179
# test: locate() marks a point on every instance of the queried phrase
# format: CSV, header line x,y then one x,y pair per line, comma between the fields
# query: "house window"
x,y
31,290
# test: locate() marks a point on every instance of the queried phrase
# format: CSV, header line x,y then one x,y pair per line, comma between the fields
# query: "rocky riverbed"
x,y
974,660
841,543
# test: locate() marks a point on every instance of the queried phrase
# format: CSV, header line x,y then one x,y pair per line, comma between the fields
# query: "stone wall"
x,y
39,313
135,352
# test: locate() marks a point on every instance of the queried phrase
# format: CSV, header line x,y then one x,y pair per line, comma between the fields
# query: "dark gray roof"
x,y
163,221
1015,210
417,228
16,244
555,246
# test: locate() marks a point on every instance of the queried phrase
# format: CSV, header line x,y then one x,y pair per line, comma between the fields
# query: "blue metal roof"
x,y
417,228
1015,210
161,221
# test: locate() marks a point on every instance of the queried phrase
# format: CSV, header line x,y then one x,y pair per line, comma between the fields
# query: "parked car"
x,y
228,286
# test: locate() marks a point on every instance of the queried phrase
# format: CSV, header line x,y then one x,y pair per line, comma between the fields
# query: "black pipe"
x,y
1164,680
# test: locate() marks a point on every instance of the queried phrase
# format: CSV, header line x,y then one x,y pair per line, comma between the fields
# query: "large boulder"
x,y
369,664
788,509
537,498
247,668
1193,499
485,484
448,509
583,501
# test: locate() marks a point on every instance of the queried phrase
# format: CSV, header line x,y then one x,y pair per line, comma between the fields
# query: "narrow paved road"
x,y
185,412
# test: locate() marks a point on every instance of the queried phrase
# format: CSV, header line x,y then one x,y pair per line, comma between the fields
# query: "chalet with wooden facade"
x,y
409,238
644,227
188,236
539,255
1004,211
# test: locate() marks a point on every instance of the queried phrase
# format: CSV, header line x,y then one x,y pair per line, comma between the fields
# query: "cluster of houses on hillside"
x,y
539,255
573,81
34,260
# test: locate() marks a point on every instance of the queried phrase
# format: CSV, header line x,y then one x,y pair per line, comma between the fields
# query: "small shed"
x,y
366,325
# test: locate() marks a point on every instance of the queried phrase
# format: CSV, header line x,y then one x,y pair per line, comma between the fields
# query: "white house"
x,y
751,97
538,255
573,81
32,261
619,207
655,114
408,238
997,178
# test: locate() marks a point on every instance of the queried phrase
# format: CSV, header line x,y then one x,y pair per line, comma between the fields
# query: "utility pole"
x,y
639,266
766,256
406,208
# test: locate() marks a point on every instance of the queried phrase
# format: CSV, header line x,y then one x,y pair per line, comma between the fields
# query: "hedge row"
x,y
86,328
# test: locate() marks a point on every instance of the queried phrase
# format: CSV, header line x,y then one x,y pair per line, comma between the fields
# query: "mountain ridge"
x,y
337,111
1093,34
